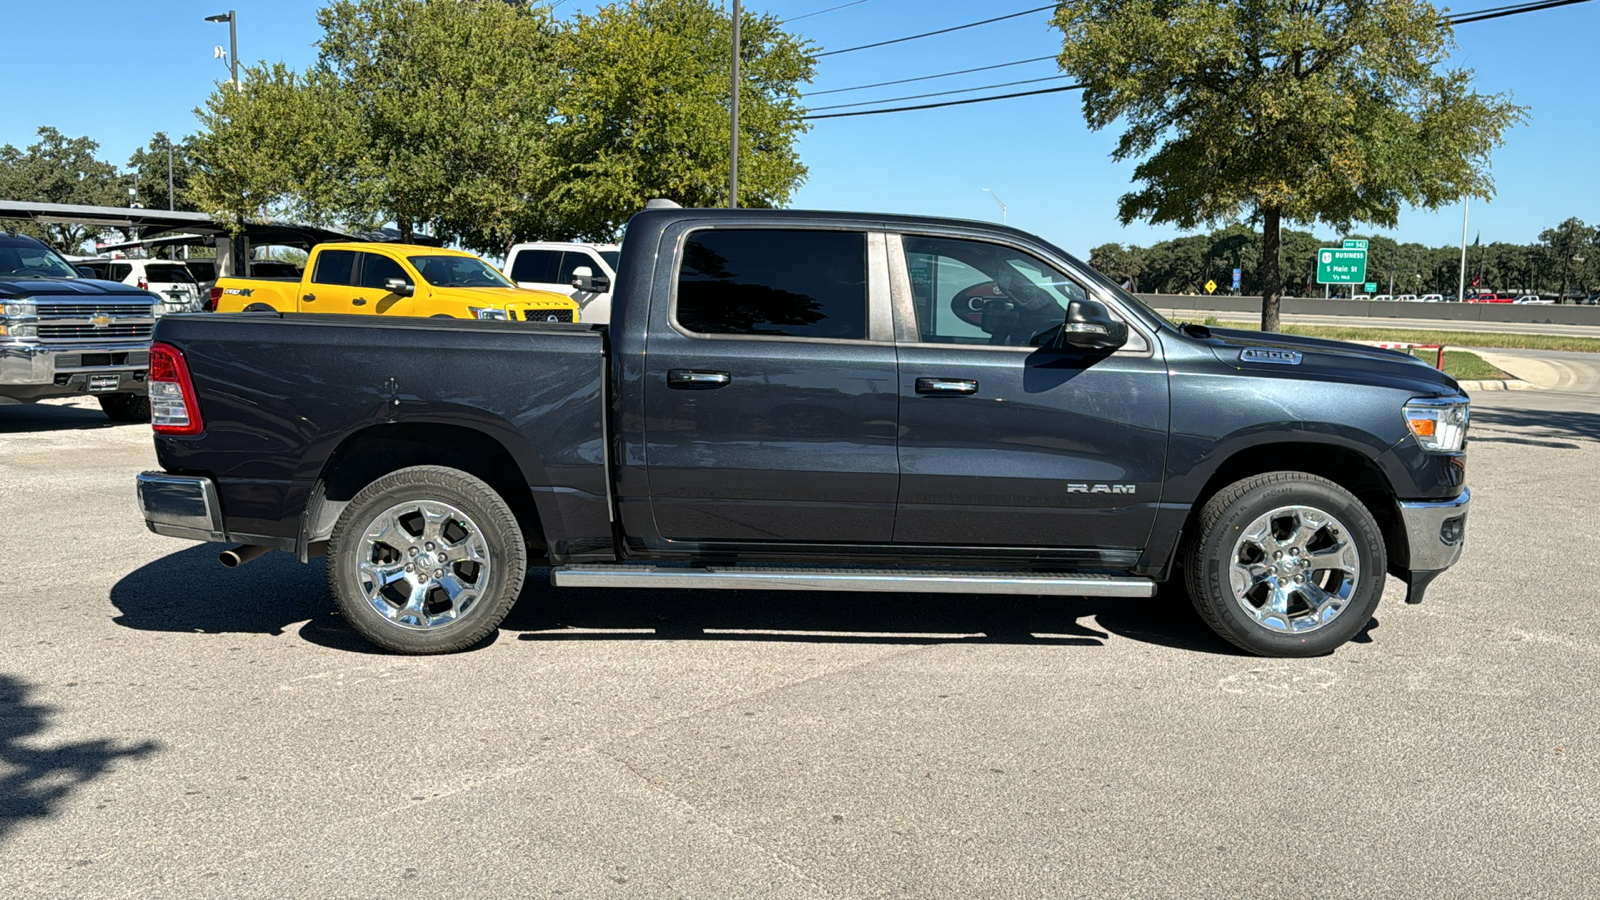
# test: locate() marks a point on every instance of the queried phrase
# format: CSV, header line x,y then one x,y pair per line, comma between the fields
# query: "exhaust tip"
x,y
238,556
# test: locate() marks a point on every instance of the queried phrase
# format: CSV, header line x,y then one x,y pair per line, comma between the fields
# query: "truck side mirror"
x,y
1089,326
399,286
584,279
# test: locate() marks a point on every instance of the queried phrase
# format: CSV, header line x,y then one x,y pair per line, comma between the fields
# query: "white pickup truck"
x,y
584,272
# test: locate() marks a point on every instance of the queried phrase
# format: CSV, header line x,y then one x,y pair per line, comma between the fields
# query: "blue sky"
x,y
120,71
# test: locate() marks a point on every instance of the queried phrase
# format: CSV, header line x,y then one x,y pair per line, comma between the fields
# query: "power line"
x,y
913,37
821,11
942,93
862,87
1461,19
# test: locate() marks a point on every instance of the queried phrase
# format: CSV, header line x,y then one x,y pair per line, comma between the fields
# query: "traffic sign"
x,y
1372,287
1353,244
1211,286
1336,265
1236,280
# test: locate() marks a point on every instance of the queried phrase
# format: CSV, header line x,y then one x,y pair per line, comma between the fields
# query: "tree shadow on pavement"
x,y
1539,425
38,778
189,591
41,417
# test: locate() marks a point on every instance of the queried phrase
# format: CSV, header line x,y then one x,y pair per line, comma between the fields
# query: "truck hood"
x,y
13,288
1292,356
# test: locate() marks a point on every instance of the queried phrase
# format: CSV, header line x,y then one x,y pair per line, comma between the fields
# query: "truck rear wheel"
x,y
427,559
125,407
1286,564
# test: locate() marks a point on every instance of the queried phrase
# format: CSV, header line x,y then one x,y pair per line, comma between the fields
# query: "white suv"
x,y
583,272
169,278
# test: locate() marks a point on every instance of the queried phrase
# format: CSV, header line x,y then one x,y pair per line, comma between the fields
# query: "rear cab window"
x,y
335,267
789,283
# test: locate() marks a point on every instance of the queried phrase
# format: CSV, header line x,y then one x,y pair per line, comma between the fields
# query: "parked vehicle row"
x,y
788,400
393,280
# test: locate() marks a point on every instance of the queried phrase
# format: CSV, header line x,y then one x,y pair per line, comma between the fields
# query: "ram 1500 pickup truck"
x,y
816,401
394,280
62,334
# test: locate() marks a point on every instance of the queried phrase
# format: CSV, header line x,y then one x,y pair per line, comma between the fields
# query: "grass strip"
x,y
1463,366
1485,339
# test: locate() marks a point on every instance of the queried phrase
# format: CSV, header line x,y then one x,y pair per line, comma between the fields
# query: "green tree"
x,y
1567,250
1274,110
644,112
59,169
150,164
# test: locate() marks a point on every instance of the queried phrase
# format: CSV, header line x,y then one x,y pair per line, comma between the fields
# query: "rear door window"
x,y
774,282
539,266
335,267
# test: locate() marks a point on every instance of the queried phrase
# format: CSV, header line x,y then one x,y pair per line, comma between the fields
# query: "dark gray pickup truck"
x,y
820,402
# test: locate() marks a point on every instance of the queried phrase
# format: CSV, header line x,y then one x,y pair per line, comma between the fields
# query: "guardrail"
x,y
1368,309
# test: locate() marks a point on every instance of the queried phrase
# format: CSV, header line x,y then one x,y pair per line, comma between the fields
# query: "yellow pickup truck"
x,y
394,280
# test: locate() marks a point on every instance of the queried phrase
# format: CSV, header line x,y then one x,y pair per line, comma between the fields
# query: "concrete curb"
x,y
1499,384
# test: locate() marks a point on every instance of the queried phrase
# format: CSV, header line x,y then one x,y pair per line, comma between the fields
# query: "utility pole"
x,y
1461,285
170,203
733,136
999,201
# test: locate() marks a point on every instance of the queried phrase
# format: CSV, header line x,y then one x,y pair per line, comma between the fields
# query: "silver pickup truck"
x,y
62,334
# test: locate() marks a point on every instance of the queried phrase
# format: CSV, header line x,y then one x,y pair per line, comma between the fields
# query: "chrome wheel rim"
x,y
1294,569
423,565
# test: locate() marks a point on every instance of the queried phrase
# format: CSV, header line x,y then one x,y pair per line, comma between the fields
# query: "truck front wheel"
x,y
1285,564
426,559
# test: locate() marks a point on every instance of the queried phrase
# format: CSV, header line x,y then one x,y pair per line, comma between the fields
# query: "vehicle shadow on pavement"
x,y
546,613
39,777
48,417
1541,425
189,591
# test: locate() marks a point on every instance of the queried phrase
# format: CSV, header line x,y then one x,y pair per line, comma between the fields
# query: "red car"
x,y
1489,297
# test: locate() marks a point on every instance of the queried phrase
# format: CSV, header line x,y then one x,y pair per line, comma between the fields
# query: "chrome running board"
x,y
933,581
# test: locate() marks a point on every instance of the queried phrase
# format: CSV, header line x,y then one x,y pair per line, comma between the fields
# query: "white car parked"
x,y
1382,298
1432,298
1407,298
168,277
583,272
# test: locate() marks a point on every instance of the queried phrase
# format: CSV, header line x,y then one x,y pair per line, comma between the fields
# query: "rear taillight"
x,y
144,283
174,408
216,294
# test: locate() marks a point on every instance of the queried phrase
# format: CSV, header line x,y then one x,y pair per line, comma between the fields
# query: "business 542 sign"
x,y
1341,265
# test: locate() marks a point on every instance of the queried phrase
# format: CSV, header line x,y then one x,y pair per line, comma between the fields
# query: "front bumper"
x,y
33,371
1435,532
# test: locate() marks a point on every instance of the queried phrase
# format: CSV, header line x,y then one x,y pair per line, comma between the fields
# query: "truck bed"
x,y
281,395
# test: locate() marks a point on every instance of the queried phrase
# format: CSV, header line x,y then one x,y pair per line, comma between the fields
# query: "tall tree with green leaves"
x,y
1282,110
644,112
150,164
61,169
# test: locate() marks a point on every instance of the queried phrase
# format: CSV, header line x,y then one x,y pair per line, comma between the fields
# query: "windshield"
x,y
458,271
23,258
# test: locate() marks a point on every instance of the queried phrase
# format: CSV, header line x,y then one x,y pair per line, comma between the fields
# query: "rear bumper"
x,y
32,371
186,506
1435,532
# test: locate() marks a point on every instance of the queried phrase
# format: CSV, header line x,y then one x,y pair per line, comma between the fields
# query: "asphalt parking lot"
x,y
170,728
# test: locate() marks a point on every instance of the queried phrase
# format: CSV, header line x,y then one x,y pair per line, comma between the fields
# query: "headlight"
x,y
1440,426
498,315
18,310
16,332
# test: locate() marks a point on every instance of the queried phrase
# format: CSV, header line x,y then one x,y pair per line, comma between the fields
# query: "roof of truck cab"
x,y
402,249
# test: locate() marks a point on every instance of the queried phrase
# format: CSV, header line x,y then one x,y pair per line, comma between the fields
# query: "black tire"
x,y
1209,557
484,514
260,307
126,407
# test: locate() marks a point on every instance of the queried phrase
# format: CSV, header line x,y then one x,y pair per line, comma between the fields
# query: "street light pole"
x,y
999,201
232,18
1461,285
733,135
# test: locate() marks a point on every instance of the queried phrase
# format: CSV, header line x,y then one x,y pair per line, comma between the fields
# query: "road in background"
x,y
172,728
1224,317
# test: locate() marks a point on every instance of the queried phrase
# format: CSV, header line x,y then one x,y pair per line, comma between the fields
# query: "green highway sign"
x,y
1336,265
1353,244
1372,287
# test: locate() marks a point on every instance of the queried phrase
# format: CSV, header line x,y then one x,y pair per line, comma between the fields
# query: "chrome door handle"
x,y
695,379
947,386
